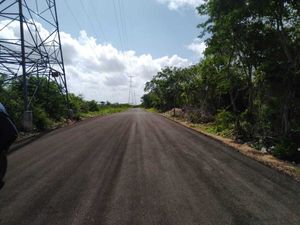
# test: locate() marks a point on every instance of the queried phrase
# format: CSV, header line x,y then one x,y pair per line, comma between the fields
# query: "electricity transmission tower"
x,y
131,95
30,45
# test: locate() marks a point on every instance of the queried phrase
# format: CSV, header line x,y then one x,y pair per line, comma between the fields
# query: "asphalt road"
x,y
138,168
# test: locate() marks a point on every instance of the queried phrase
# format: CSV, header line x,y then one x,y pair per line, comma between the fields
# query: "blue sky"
x,y
151,27
101,51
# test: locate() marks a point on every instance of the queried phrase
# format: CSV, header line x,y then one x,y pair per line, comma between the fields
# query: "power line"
x,y
118,25
73,15
97,20
79,26
93,52
89,18
123,20
122,17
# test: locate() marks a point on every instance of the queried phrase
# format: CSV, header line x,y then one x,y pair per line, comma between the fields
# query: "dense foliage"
x,y
249,80
49,105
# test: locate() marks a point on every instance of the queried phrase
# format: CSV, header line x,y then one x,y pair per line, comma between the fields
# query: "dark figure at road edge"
x,y
8,134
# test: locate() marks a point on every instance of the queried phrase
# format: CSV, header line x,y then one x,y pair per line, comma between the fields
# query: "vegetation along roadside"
x,y
247,85
49,106
246,149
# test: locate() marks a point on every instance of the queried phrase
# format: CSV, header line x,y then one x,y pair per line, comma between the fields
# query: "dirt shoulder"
x,y
264,158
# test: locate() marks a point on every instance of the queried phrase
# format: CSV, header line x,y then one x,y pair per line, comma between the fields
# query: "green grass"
x,y
152,110
106,110
212,128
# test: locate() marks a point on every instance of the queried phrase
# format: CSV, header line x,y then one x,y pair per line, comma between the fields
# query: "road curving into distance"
x,y
138,168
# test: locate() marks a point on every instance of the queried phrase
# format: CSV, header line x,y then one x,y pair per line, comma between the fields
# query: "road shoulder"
x,y
267,159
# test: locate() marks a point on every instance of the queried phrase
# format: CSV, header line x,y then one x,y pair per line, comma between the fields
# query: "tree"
x,y
249,79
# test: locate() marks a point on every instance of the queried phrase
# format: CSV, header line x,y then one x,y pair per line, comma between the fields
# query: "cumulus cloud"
x,y
198,47
176,4
101,72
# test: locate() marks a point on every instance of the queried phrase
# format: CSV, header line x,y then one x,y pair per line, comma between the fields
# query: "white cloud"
x,y
176,4
100,71
198,47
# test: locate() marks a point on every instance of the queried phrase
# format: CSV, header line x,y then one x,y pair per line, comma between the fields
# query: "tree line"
x,y
48,104
248,82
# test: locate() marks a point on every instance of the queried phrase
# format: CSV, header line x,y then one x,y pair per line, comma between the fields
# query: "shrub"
x,y
93,106
194,116
245,128
41,119
287,149
225,123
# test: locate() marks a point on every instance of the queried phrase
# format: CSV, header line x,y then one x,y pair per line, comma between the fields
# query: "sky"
x,y
104,42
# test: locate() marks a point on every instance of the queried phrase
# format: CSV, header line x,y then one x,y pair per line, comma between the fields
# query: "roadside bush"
x,y
194,116
245,127
287,149
224,123
93,106
41,119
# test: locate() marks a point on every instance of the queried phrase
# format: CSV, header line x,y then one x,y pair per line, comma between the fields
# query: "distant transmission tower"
x,y
33,49
131,91
134,97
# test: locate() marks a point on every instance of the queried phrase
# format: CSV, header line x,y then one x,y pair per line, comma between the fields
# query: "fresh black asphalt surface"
x,y
138,168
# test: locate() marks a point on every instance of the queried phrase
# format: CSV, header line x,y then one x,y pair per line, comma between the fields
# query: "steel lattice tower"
x,y
131,94
34,48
